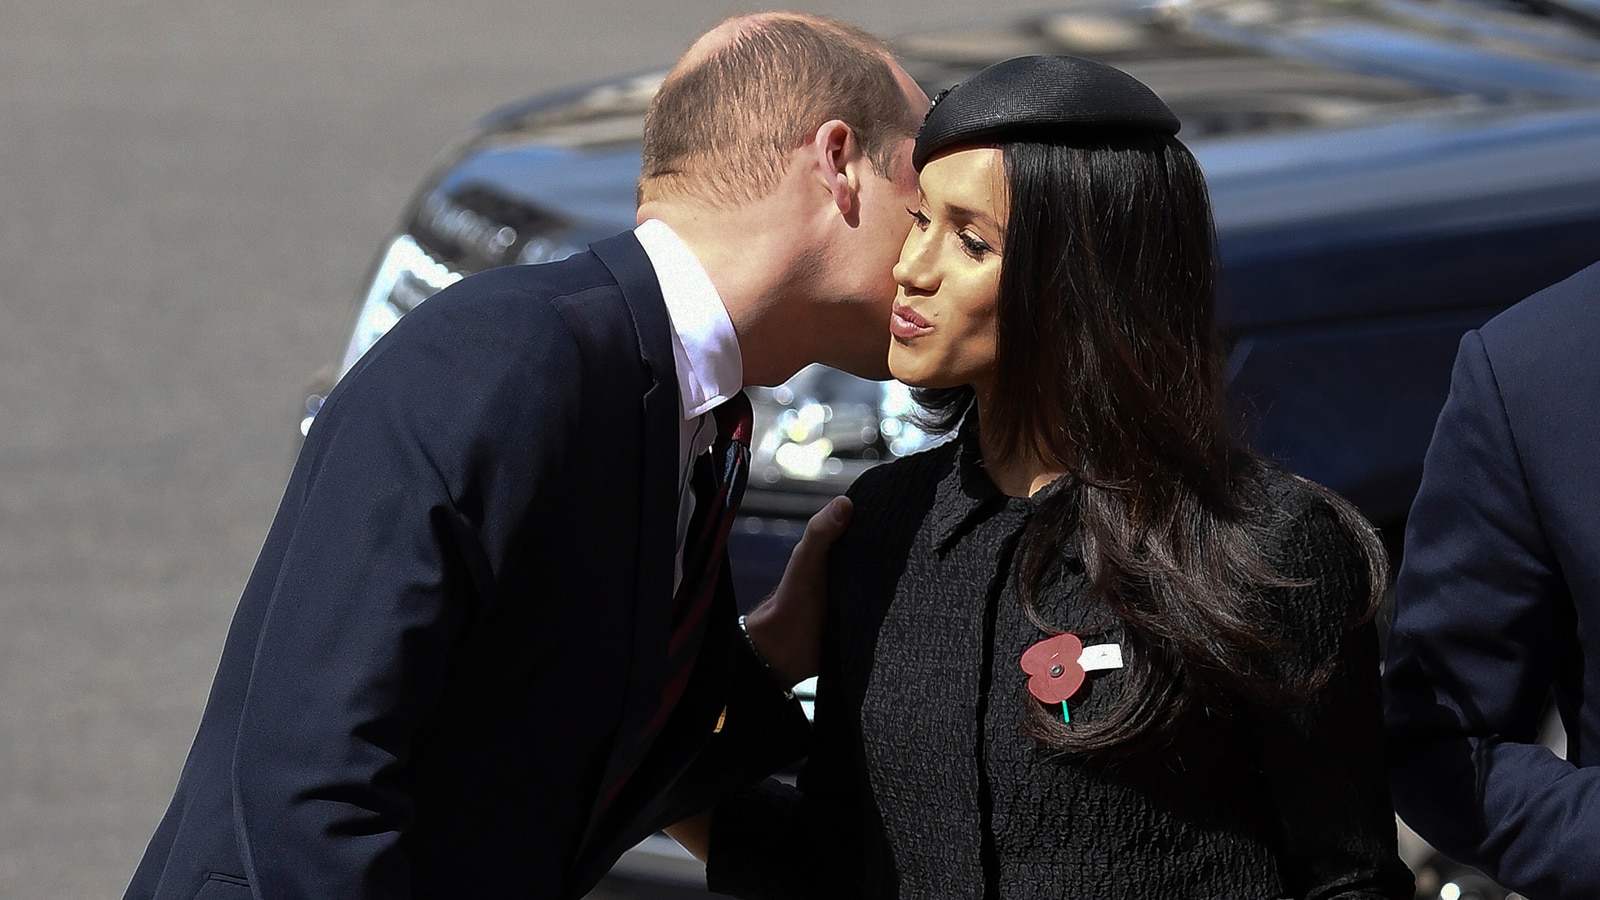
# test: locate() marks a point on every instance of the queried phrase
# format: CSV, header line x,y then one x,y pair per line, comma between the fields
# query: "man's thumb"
x,y
828,523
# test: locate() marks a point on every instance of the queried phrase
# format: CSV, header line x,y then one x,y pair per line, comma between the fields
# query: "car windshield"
x,y
1583,12
1231,68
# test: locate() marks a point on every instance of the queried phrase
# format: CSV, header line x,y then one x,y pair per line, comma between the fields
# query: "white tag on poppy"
x,y
1101,656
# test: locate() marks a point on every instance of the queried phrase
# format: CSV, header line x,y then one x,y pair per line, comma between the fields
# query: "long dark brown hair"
x,y
1108,366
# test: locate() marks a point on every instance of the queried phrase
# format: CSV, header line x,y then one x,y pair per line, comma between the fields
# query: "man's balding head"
x,y
750,91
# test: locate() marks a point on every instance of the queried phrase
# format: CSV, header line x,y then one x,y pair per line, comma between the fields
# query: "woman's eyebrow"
x,y
972,215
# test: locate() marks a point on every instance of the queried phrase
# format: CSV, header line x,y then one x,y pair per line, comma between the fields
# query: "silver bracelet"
x,y
744,629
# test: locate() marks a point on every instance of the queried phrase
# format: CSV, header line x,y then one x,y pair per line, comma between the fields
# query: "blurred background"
x,y
190,194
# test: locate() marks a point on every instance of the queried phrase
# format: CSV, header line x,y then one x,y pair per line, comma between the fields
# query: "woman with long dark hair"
x,y
1090,646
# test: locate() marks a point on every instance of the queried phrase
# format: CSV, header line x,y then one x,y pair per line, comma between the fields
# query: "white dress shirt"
x,y
705,351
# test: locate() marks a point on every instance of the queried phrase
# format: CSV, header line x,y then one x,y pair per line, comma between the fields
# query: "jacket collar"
x,y
631,267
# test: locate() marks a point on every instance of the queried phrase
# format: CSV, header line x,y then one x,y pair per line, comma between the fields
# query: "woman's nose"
x,y
914,271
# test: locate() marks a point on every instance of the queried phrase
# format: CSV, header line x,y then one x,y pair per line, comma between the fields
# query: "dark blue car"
x,y
1385,175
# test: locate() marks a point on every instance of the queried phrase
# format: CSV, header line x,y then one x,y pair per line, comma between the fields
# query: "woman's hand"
x,y
787,627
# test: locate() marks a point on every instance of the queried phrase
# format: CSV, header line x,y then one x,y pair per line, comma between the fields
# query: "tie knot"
x,y
733,419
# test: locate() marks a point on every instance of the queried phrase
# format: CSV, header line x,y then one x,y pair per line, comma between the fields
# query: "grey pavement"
x,y
190,192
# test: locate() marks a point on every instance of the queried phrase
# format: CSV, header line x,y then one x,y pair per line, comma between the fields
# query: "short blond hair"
x,y
726,121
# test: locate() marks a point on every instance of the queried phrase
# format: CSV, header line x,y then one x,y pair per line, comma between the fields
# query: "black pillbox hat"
x,y
1040,96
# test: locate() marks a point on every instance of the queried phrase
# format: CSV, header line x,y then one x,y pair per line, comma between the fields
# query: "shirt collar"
x,y
704,345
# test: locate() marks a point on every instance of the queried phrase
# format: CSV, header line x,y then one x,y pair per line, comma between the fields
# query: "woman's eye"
x,y
976,248
919,217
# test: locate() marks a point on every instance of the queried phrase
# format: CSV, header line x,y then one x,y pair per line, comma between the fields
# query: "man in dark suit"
x,y
1498,604
456,670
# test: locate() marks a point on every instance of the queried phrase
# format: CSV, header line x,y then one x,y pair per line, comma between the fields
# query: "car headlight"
x,y
409,275
406,277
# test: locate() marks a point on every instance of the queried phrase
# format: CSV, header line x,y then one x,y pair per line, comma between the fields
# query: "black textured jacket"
x,y
920,783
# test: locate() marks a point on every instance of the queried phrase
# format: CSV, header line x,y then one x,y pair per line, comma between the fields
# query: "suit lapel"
x,y
658,502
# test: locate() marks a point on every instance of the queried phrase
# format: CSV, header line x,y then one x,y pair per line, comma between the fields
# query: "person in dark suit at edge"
x,y
1498,605
459,667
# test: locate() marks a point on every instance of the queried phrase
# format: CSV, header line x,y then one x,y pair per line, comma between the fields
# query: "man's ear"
x,y
835,154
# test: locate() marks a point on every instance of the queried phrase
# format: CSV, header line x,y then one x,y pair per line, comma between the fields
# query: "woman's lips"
x,y
904,323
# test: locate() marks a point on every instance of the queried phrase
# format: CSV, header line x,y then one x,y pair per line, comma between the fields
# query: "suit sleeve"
x,y
1323,759
762,731
1481,618
391,538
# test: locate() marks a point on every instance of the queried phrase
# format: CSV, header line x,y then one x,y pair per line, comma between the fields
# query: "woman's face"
x,y
943,323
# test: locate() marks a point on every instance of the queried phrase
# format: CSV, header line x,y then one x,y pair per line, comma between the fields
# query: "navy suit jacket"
x,y
458,624
1498,604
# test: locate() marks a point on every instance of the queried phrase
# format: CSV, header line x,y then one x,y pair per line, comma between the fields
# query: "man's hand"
x,y
787,627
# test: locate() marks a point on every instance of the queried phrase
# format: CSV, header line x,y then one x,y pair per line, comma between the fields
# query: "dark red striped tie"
x,y
718,482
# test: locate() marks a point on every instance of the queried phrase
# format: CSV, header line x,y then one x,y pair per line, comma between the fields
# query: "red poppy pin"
x,y
1053,663
1059,665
